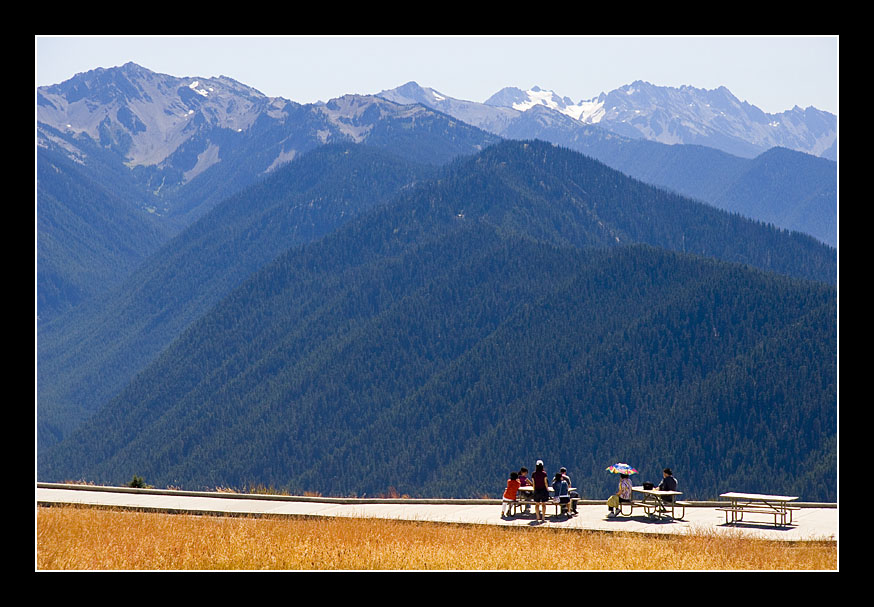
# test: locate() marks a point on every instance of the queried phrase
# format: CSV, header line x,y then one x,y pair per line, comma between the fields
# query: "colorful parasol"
x,y
621,469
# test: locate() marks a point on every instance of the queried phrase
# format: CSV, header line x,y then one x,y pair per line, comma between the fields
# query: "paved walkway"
x,y
814,522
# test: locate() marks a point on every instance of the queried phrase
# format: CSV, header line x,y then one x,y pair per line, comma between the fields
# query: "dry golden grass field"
x,y
75,538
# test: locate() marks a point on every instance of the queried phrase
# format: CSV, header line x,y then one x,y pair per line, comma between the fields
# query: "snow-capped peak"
x,y
585,111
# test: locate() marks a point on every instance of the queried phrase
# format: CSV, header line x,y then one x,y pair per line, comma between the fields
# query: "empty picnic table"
x,y
758,503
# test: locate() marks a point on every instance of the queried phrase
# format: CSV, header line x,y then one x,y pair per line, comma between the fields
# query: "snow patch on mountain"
x,y
689,115
202,92
589,112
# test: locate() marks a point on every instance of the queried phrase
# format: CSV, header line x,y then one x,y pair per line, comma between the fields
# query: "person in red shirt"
x,y
513,485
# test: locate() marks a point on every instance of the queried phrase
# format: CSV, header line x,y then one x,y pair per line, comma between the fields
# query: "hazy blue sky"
x,y
772,73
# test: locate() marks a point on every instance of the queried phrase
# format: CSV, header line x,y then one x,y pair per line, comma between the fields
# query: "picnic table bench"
x,y
523,498
514,506
651,509
655,503
757,503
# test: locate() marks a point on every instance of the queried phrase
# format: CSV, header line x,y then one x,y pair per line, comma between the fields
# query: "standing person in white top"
x,y
622,495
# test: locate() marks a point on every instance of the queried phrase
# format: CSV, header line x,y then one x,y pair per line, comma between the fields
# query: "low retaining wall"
x,y
359,500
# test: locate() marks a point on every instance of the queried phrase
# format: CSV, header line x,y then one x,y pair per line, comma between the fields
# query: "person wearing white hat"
x,y
541,490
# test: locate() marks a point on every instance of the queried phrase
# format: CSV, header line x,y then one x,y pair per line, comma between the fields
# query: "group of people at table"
x,y
564,493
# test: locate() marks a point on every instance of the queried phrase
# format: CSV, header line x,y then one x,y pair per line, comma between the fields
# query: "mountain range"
x,y
175,147
363,294
174,132
707,145
689,115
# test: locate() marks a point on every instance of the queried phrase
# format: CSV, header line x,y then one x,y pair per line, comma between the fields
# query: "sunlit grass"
x,y
75,538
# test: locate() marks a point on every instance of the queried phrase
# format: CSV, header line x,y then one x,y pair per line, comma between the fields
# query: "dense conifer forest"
x,y
523,303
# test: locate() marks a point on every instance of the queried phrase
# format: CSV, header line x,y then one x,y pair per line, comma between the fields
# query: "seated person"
x,y
669,483
509,497
524,481
574,495
623,495
562,495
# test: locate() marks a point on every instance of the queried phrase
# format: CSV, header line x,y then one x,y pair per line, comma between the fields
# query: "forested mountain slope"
x,y
158,152
89,354
90,233
789,189
483,320
801,192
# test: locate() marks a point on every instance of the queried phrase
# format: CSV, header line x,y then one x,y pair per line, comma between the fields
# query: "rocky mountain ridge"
x,y
147,116
172,132
640,110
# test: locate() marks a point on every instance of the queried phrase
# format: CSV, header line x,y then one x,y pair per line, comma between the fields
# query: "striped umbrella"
x,y
621,469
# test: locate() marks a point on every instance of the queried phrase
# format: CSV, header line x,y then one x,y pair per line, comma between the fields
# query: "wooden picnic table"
x,y
758,503
656,502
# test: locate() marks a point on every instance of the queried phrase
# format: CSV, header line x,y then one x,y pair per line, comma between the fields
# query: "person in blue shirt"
x,y
561,495
574,495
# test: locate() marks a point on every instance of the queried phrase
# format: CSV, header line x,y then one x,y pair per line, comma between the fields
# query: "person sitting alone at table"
x,y
562,495
623,495
541,491
669,483
510,494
